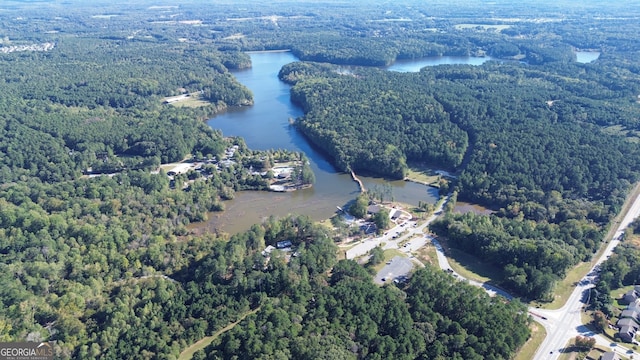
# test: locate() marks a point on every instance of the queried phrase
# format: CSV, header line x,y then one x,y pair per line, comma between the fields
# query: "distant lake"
x,y
587,56
265,125
415,65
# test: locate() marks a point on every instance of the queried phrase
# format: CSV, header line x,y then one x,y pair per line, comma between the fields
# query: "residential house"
x,y
610,355
267,251
628,328
373,209
627,333
630,313
629,297
635,306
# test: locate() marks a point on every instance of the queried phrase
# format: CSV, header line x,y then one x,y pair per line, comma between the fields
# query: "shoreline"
x,y
266,51
421,182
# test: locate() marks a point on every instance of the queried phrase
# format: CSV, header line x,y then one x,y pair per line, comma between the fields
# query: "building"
x,y
630,313
627,334
629,297
610,355
373,209
628,329
267,251
283,244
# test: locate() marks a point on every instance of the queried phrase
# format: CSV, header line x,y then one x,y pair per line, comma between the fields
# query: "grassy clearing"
x,y
470,267
573,354
423,175
596,353
528,350
427,255
187,354
191,102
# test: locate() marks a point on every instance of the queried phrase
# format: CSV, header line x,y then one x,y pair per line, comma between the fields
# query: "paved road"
x,y
564,324
396,237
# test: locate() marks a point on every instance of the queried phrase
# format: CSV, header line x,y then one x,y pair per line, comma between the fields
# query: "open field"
x,y
565,286
470,267
427,254
594,354
192,102
423,175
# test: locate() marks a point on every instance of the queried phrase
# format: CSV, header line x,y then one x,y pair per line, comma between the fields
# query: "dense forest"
x,y
351,318
548,142
106,266
521,138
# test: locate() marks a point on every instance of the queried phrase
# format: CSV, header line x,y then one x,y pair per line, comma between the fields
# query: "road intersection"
x,y
561,325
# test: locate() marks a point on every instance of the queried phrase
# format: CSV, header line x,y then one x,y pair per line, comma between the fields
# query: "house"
x,y
628,322
373,209
283,244
630,313
626,334
635,306
629,297
628,328
610,355
395,214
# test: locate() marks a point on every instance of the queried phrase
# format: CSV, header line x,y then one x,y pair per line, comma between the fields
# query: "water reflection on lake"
x,y
416,64
265,125
587,56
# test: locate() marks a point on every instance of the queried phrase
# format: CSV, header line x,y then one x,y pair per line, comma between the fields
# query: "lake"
x,y
587,56
417,64
265,125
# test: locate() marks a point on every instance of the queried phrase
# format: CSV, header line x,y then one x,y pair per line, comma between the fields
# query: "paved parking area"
x,y
396,267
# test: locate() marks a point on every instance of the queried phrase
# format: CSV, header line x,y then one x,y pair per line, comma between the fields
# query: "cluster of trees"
x,y
376,122
534,255
351,318
621,269
106,268
527,140
107,114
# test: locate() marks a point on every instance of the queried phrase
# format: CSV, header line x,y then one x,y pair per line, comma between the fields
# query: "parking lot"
x,y
398,266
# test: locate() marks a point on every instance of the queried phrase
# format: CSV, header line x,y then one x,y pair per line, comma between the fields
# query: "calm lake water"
x,y
587,56
265,125
417,64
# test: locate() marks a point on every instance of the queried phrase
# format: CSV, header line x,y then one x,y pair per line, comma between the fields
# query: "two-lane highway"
x,y
564,324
